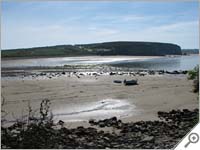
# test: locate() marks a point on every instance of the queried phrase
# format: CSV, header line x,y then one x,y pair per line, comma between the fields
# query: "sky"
x,y
36,24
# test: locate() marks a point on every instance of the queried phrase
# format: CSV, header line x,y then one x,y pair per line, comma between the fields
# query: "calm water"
x,y
134,62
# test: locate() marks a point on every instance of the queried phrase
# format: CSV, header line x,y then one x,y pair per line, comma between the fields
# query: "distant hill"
x,y
190,51
107,48
134,48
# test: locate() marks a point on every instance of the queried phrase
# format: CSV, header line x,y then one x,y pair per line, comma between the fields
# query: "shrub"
x,y
194,75
35,132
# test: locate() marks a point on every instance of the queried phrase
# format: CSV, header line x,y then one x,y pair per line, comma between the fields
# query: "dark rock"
x,y
112,73
114,118
151,72
176,72
60,122
42,74
101,124
117,81
184,72
91,121
130,82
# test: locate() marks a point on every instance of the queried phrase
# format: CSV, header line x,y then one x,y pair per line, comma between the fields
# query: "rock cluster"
x,y
53,74
112,122
160,134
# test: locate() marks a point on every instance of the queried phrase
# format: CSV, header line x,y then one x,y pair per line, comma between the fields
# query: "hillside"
x,y
134,48
107,48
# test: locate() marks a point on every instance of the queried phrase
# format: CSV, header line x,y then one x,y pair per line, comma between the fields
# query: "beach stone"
x,y
176,72
101,124
91,121
80,128
148,138
60,122
101,132
106,138
151,72
42,74
184,72
114,118
112,73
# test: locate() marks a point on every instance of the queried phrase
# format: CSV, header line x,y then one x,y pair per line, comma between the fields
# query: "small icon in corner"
x,y
193,138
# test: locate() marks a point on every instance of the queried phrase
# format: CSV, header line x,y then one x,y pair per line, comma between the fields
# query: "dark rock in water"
x,y
63,72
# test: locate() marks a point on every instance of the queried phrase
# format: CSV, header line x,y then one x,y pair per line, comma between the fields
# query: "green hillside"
x,y
108,48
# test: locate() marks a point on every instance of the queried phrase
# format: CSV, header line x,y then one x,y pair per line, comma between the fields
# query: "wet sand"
x,y
76,100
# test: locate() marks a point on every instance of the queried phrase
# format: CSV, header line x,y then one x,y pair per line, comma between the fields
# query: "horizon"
x,y
69,23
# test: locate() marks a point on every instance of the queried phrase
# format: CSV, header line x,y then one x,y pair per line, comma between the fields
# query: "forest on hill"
x,y
102,49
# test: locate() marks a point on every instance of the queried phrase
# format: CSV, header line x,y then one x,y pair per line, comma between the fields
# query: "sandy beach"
x,y
75,100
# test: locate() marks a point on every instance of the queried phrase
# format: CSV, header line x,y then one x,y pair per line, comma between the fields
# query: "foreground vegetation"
x,y
42,133
194,75
108,48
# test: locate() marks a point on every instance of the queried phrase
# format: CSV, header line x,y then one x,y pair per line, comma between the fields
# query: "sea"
x,y
168,63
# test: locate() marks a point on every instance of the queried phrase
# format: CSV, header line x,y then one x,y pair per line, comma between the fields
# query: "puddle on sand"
x,y
95,110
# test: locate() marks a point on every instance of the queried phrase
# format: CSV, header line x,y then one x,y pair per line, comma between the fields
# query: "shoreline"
x,y
83,94
39,57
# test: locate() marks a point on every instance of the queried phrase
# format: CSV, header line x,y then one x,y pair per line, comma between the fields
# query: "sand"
x,y
76,100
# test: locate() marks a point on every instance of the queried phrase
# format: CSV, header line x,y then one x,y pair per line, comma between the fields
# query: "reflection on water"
x,y
136,62
165,63
61,61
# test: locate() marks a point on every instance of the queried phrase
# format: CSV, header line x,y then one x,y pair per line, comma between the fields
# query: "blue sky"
x,y
33,24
